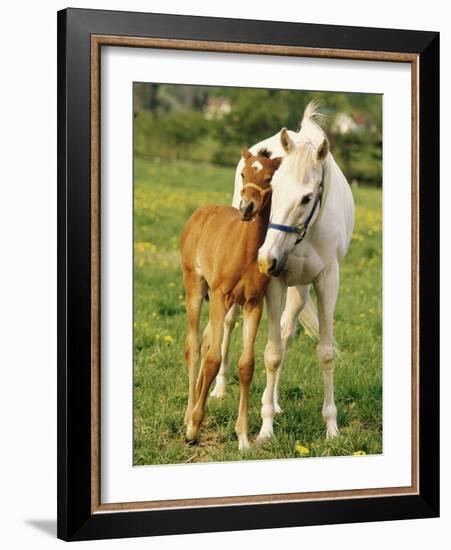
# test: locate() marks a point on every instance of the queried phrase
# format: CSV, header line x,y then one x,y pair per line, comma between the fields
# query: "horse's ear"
x,y
322,151
246,154
276,163
286,141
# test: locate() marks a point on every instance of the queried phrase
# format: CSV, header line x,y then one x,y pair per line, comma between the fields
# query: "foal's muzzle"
x,y
247,209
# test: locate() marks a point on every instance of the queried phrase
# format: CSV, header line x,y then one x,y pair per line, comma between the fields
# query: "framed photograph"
x,y
248,274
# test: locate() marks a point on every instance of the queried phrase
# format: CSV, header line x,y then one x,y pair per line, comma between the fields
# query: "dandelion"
x,y
359,453
301,449
168,339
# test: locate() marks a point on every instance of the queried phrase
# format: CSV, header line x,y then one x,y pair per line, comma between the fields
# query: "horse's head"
x,y
295,198
257,175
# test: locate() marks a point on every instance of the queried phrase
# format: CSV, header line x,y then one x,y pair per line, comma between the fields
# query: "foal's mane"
x,y
264,152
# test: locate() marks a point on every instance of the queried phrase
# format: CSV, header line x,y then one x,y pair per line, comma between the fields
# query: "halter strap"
x,y
301,229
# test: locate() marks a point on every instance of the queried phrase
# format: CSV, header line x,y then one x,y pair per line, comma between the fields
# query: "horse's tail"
x,y
309,319
310,323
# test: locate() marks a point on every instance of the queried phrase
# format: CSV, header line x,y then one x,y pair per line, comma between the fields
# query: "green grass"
x,y
165,195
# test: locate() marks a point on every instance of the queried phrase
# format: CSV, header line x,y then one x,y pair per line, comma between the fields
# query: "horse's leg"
x,y
211,364
326,286
195,292
219,390
296,299
251,321
273,354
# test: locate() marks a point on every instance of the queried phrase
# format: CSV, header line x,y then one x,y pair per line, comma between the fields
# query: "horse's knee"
x,y
326,357
273,356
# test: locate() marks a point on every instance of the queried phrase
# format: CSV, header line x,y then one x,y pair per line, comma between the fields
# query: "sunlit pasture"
x,y
164,197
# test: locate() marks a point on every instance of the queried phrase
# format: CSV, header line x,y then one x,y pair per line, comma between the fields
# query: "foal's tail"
x,y
310,323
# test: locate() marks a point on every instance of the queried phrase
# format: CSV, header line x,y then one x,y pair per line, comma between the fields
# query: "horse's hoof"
x,y
277,409
332,431
263,437
218,393
191,442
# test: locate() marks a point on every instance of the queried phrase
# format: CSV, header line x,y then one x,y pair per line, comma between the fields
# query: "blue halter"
x,y
301,229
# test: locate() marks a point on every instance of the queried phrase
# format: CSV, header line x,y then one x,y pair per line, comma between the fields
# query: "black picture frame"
x,y
76,521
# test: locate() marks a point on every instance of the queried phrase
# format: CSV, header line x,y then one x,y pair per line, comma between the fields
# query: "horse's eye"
x,y
306,199
242,175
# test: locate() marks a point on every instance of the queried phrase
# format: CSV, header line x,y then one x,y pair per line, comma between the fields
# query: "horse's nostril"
x,y
273,266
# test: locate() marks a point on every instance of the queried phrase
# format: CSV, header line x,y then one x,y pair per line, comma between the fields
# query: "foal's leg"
x,y
273,354
211,364
195,292
219,390
251,320
296,299
326,286
205,346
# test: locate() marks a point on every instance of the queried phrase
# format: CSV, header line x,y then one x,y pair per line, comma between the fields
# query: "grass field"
x,y
164,197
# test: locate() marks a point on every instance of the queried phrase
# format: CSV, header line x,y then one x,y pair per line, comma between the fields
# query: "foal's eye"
x,y
306,199
242,175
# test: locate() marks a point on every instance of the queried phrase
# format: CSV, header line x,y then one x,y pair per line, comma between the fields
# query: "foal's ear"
x,y
322,151
246,154
285,140
276,163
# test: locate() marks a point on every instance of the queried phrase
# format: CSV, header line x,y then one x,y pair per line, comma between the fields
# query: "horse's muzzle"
x,y
270,266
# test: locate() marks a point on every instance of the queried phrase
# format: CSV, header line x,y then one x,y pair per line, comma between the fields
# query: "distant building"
x,y
217,107
344,123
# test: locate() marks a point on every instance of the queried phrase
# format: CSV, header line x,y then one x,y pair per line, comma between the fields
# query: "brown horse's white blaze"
x,y
219,247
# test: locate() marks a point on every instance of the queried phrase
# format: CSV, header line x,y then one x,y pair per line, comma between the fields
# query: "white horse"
x,y
312,219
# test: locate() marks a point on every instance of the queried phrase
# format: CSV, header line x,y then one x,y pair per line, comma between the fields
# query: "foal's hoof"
x,y
243,445
191,442
277,409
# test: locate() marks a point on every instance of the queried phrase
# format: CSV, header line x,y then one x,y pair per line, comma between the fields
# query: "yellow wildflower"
x,y
168,339
359,453
301,449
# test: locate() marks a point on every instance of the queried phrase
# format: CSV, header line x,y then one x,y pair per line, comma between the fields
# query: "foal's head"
x,y
257,175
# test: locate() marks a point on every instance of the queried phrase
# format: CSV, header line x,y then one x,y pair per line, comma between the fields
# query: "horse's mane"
x,y
310,129
311,135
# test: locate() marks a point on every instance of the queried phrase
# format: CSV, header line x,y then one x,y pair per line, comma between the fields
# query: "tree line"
x,y
213,124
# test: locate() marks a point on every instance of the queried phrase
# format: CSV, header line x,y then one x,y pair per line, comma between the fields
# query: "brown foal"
x,y
219,247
